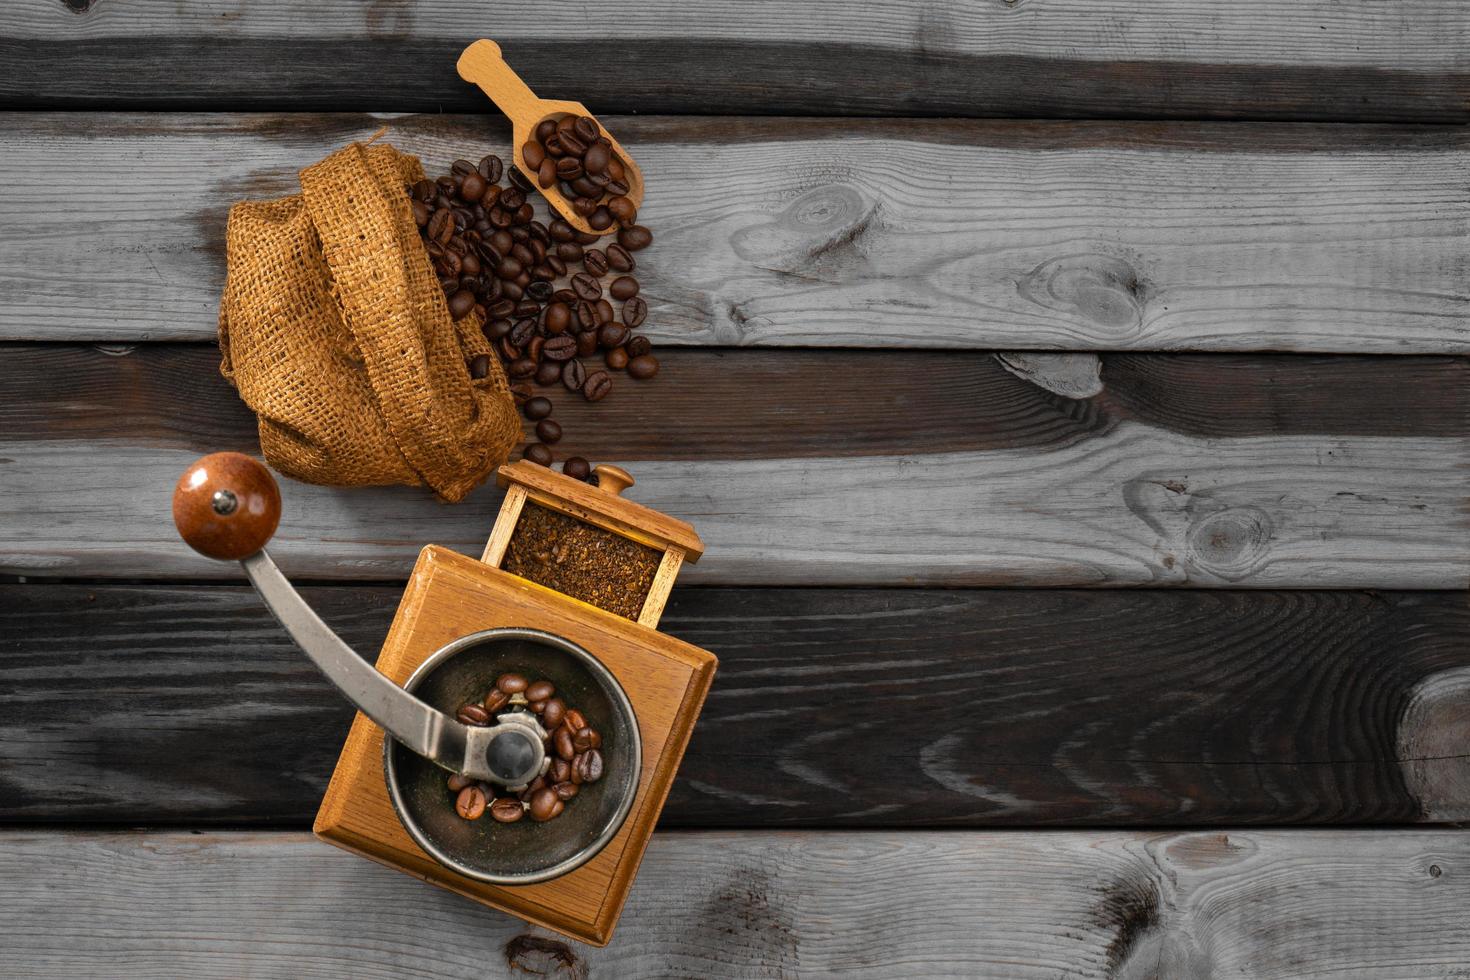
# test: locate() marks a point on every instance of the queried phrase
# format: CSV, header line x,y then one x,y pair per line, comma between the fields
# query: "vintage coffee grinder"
x,y
570,589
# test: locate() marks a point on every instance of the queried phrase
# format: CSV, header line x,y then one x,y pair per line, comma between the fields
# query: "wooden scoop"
x,y
482,64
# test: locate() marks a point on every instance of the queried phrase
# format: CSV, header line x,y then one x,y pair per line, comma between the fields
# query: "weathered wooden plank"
x,y
1098,493
860,233
1288,496
1349,59
1386,904
166,704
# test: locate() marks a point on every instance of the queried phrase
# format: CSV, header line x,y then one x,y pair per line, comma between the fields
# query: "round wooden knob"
x,y
613,479
227,506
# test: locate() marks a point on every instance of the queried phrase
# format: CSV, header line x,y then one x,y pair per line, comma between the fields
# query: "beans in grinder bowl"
x,y
543,292
573,754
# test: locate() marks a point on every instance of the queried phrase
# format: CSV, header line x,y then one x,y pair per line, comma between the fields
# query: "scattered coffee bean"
x,y
575,720
479,366
555,711
548,431
588,765
565,790
573,374
537,408
559,348
563,741
639,346
635,311
635,237
540,690
537,453
473,714
643,367
587,286
471,802
496,700
548,372
623,288
617,358
507,810
598,386
458,782
577,468
594,260
619,259
611,335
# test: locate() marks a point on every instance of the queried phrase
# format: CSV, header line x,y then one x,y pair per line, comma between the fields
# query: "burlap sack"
x,y
335,331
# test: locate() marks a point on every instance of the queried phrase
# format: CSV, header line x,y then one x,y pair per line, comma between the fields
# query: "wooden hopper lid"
x,y
602,505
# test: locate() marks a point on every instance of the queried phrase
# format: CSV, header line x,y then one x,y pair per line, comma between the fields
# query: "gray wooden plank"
x,y
1342,59
189,705
1111,496
859,233
1264,904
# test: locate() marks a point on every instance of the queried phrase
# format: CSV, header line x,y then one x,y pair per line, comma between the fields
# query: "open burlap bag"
x,y
335,331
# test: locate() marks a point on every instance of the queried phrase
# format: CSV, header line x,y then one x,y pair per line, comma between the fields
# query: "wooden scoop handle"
x,y
227,506
482,64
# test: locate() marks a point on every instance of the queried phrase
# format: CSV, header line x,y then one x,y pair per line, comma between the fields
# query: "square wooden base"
x,y
666,679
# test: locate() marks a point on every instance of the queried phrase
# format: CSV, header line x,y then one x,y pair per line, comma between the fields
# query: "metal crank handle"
x,y
227,506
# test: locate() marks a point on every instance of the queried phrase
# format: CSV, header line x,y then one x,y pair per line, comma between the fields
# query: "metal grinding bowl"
x,y
523,852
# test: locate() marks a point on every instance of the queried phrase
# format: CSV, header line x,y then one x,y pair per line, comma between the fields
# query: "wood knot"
x,y
821,227
1098,288
1433,732
1230,543
1201,852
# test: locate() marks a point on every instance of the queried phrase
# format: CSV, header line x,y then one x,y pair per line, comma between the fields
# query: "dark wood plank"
x,y
1311,59
836,468
1020,906
830,233
171,704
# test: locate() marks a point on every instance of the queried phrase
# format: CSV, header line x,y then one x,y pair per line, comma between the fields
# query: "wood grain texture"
x,y
860,233
1352,59
865,905
1041,490
166,704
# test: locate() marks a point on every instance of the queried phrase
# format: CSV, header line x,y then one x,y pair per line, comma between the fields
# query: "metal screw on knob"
x,y
224,502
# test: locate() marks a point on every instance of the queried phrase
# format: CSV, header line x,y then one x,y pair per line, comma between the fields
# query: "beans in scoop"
x,y
558,306
573,754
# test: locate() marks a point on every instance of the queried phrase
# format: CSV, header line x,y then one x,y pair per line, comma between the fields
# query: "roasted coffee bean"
x,y
469,264
585,238
586,314
586,287
543,805
562,347
623,209
461,167
522,393
525,213
595,262
420,212
479,366
611,335
570,252
546,173
536,786
459,781
532,153
499,217
461,303
563,741
594,161
619,259
577,468
511,683
491,169
523,331
586,128
522,183
544,129
604,312
528,308
502,308
425,190
624,287
440,226
573,375
507,809
553,146
635,311
565,791
540,690
617,358
558,318
533,348
617,186
568,168
560,231
598,386
572,144
536,409
586,343
512,198
643,367
509,268
635,237
586,187
560,771
473,714
473,187
575,720
496,700
538,706
584,205
523,254
538,454
556,265
586,739
600,219
639,346
548,372
588,765
598,180
470,803
521,367
540,288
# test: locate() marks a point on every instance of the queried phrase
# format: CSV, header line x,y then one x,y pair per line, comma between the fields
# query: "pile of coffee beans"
x,y
573,155
573,754
540,289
